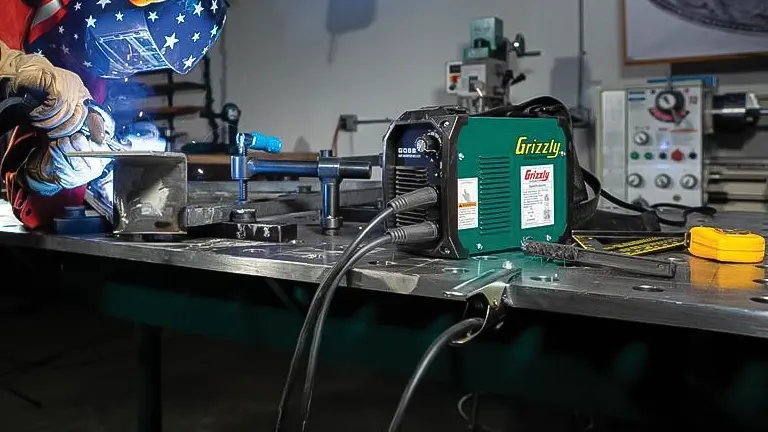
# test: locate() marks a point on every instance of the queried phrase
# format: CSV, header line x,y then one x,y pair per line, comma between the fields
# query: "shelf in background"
x,y
170,88
159,113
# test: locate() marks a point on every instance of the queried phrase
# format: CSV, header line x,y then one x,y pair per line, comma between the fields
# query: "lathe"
x,y
655,141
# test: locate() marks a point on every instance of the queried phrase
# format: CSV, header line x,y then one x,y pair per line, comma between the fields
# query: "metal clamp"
x,y
330,170
485,296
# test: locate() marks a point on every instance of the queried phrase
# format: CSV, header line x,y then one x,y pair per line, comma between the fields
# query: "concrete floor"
x,y
208,385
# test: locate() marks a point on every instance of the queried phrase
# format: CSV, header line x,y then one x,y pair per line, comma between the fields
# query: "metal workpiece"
x,y
212,202
149,190
76,221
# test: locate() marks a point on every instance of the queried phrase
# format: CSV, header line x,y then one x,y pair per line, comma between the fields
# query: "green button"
x,y
635,155
648,156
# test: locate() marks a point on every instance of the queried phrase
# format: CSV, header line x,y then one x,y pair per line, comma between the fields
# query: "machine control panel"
x,y
480,77
652,142
452,77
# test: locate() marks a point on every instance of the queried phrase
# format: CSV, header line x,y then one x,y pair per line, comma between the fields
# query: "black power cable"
x,y
314,349
462,328
313,311
419,233
418,198
686,210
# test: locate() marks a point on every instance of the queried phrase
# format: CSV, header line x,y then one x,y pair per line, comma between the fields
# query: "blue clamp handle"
x,y
257,141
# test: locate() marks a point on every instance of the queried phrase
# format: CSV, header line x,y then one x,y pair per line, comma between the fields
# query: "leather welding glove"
x,y
62,93
50,169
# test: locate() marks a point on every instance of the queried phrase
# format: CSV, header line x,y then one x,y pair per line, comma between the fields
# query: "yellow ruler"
x,y
635,247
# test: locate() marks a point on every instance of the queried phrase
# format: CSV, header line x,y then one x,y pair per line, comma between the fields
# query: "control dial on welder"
x,y
663,181
634,180
428,143
670,102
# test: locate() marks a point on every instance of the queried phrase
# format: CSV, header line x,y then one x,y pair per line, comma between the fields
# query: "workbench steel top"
x,y
704,294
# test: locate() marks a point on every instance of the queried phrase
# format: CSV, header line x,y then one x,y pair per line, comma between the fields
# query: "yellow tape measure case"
x,y
734,246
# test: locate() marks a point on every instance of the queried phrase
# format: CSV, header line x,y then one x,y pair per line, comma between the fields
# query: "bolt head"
x,y
479,246
461,156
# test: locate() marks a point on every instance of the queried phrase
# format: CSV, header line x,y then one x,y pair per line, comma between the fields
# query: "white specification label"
x,y
537,190
467,191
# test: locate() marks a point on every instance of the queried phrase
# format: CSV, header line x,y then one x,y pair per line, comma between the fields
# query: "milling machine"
x,y
654,140
481,80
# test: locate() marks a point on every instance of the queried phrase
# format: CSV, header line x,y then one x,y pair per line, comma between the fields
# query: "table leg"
x,y
149,409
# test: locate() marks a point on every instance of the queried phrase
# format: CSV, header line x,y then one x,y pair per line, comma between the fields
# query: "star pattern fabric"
x,y
115,38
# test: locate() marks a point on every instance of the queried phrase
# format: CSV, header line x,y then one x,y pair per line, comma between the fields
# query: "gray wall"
x,y
292,78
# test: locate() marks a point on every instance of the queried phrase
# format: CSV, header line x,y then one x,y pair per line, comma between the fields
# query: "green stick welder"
x,y
504,175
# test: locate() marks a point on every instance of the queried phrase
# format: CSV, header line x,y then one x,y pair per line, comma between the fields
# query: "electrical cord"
x,y
455,331
704,210
306,398
419,198
473,422
314,306
419,233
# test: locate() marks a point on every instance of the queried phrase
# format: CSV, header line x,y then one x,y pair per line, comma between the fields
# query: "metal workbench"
x,y
703,295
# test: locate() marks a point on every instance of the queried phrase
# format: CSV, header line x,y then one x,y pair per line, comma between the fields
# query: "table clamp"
x,y
486,296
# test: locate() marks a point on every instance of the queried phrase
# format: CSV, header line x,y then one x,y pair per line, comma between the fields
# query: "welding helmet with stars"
x,y
118,38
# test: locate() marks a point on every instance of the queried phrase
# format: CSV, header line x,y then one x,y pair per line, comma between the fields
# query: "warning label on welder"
x,y
467,191
537,190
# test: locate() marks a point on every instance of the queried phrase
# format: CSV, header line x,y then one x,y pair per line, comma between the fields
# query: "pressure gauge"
x,y
670,101
641,138
689,181
663,181
634,180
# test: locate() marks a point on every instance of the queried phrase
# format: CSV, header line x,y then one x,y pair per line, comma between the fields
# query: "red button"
x,y
677,155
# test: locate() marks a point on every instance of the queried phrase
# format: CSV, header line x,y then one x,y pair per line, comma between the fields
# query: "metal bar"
x,y
149,403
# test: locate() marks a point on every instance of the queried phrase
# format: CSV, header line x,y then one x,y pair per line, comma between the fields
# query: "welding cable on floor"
x,y
472,419
456,331
412,234
419,198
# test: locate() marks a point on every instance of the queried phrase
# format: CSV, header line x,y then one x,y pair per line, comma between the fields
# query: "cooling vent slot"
x,y
409,179
495,205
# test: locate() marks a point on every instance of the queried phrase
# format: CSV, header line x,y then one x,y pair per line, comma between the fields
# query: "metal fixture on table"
x,y
329,169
